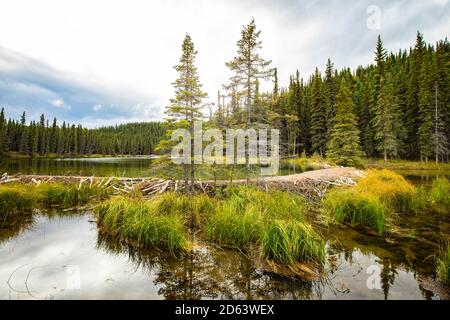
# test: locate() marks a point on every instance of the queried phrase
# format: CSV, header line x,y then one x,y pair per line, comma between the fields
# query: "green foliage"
x,y
291,241
392,189
140,221
443,264
15,199
68,195
357,208
344,145
440,191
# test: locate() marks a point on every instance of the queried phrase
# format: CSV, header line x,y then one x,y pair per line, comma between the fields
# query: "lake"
x,y
131,167
66,256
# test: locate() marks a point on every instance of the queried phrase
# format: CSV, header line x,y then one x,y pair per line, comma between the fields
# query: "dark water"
x,y
65,256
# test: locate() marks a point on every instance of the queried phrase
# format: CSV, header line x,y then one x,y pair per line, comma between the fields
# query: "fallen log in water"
x,y
312,184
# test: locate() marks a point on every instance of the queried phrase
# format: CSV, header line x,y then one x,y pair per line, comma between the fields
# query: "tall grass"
x,y
68,195
290,241
443,267
356,208
274,220
245,211
392,189
140,221
440,191
15,199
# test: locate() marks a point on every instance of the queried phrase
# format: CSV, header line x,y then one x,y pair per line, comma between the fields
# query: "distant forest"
x,y
45,138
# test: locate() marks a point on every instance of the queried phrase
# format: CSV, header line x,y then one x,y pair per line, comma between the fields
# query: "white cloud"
x,y
97,107
57,102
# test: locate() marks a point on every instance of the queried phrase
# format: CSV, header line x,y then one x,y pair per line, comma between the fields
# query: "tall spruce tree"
x,y
318,113
248,66
185,107
344,146
387,120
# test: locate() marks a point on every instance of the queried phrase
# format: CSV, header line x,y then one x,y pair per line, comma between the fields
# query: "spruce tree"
x,y
387,120
318,124
248,66
185,107
344,146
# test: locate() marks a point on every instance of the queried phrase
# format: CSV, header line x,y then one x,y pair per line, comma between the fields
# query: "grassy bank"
x,y
375,200
20,198
242,217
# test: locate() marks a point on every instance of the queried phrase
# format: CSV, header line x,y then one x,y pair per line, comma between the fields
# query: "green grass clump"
x,y
15,199
392,189
140,221
443,268
245,211
357,208
290,241
440,191
274,220
67,195
234,228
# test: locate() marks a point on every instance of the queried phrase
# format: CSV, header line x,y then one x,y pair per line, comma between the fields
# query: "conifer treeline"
x,y
400,104
45,138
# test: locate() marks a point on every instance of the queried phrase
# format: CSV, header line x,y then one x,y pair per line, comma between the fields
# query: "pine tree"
x,y
185,107
3,134
425,116
329,96
248,66
387,120
412,121
344,146
318,124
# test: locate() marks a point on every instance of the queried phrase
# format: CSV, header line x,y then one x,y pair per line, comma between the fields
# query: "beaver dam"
x,y
325,234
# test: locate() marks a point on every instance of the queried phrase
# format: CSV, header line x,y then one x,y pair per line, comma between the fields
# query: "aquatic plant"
x,y
443,264
230,227
440,191
68,195
357,208
140,221
15,199
291,241
246,216
392,189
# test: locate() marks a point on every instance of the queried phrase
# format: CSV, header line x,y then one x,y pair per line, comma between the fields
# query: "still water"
x,y
65,256
123,167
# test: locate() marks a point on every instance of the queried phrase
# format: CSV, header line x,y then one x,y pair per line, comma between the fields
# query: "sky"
x,y
104,62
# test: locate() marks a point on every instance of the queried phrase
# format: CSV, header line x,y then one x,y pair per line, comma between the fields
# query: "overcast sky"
x,y
106,62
